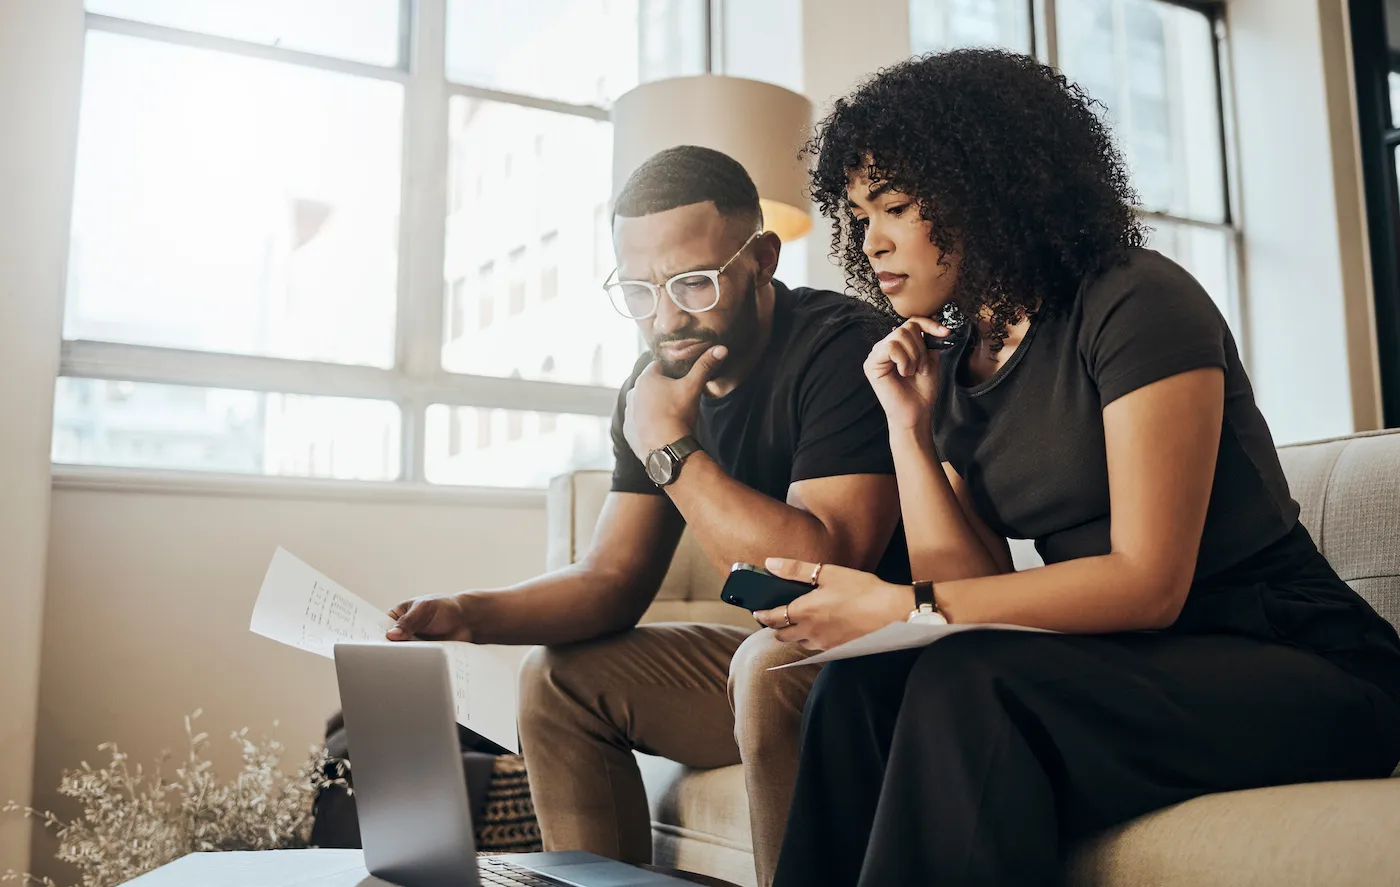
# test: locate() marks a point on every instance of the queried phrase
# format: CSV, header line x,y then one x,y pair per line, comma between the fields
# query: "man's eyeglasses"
x,y
693,292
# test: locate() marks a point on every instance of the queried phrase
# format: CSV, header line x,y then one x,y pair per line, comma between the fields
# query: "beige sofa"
x,y
1333,834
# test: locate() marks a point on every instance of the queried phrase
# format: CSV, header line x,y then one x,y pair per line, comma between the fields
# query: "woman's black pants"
x,y
976,760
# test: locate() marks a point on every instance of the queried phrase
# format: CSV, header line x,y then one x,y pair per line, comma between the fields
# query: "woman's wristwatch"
x,y
925,610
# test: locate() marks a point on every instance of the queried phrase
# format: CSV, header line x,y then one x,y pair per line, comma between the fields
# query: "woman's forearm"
x,y
943,546
1091,595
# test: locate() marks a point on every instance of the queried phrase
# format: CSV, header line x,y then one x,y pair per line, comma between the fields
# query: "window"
x,y
945,24
549,266
364,31
144,425
596,49
454,434
249,288
457,309
602,244
548,446
516,295
1154,64
485,297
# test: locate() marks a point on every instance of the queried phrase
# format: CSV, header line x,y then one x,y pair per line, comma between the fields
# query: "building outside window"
x,y
1155,67
248,266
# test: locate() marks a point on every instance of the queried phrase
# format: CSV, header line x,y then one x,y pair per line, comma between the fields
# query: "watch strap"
x,y
925,607
923,596
683,448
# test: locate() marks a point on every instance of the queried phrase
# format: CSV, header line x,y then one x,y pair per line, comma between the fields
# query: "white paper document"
x,y
901,636
302,608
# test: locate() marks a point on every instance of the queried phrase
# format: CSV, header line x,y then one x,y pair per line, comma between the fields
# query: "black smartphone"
x,y
933,343
754,588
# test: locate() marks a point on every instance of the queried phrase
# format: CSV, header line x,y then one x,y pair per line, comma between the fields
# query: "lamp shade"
x,y
761,125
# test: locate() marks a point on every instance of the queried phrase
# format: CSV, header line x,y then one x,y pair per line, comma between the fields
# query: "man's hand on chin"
x,y
661,410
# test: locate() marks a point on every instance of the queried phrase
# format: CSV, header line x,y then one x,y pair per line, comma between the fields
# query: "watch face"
x,y
660,467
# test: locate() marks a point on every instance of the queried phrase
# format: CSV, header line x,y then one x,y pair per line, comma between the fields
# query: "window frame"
x,y
1044,36
417,379
1379,133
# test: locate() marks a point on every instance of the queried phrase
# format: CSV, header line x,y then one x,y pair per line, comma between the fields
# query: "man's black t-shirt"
x,y
805,411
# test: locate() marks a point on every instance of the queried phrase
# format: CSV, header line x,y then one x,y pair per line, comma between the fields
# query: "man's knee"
x,y
767,704
538,691
553,682
749,670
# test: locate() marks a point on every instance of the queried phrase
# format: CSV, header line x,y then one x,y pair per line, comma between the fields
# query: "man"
x,y
749,421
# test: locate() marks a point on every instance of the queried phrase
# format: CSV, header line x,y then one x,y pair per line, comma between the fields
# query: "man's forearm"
x,y
734,522
566,606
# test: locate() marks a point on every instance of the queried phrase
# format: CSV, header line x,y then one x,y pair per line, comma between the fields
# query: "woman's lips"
x,y
891,283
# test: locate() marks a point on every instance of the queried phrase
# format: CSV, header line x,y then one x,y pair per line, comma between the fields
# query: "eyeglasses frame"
x,y
713,275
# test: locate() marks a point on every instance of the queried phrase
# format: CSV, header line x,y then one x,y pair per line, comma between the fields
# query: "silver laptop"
x,y
410,790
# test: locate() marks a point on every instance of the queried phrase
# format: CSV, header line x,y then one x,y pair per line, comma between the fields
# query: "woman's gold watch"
x,y
925,610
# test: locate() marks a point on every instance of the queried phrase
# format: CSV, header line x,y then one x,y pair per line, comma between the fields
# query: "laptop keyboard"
x,y
499,873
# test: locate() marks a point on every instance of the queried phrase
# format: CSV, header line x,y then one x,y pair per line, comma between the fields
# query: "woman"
x,y
1093,400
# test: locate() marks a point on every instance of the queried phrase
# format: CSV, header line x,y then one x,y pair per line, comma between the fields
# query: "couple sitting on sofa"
x,y
1090,397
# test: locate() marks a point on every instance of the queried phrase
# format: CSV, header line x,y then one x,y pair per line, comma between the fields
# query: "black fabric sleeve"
x,y
841,426
1147,320
629,474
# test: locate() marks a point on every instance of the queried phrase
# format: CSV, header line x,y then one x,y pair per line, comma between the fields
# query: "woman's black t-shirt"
x,y
1029,443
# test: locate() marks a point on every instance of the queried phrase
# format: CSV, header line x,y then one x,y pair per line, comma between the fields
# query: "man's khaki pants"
x,y
700,695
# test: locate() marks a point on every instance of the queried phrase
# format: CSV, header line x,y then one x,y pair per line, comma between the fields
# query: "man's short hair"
x,y
689,174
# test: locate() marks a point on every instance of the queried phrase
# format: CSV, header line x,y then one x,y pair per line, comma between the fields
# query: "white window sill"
x,y
198,483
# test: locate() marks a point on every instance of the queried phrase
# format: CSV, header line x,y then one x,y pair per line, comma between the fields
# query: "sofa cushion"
x,y
1328,834
700,819
1349,490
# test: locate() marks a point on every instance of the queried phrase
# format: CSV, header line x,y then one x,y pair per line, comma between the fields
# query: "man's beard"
x,y
743,329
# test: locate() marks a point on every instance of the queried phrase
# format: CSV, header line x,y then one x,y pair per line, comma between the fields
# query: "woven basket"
x,y
509,824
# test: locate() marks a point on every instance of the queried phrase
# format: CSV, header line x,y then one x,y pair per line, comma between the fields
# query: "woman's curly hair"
x,y
1009,163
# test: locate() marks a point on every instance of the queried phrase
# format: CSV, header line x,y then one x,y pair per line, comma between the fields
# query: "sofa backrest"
x,y
1348,487
690,591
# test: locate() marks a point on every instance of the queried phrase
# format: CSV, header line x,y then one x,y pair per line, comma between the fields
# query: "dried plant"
x,y
133,822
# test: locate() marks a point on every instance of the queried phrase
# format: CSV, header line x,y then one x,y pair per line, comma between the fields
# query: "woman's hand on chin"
x,y
845,604
903,370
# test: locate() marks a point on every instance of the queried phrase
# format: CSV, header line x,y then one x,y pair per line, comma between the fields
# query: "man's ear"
x,y
767,249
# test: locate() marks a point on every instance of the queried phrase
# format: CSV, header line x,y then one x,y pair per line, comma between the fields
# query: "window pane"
x,y
1206,253
580,51
512,448
530,211
230,204
1393,80
936,25
213,429
1153,65
360,30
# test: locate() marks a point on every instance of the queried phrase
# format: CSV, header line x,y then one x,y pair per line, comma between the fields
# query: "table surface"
x,y
300,868
689,876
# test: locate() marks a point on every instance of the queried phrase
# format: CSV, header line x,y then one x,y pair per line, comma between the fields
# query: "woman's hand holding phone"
x,y
844,604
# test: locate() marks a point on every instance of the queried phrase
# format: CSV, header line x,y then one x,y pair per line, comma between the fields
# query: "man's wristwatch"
x,y
664,465
925,607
